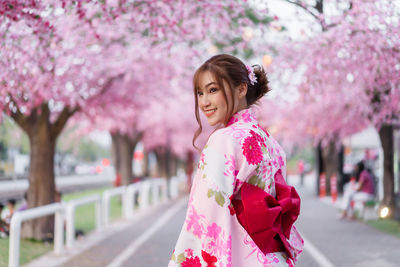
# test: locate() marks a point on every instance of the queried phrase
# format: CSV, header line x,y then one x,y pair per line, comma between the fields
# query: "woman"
x,y
240,210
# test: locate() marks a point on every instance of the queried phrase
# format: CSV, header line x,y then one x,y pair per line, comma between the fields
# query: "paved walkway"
x,y
148,240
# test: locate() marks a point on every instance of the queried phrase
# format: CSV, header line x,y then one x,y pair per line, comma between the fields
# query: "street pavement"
x,y
149,239
343,242
16,188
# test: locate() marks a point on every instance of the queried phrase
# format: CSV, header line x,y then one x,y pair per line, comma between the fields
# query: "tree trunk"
x,y
386,137
330,157
162,162
341,176
123,146
115,154
174,165
146,167
41,191
42,188
320,165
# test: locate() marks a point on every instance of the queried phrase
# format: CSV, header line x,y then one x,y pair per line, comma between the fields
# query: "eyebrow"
x,y
208,84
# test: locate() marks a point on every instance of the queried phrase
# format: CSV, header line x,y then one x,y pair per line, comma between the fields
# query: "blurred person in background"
x,y
6,216
301,170
361,191
9,212
3,225
24,204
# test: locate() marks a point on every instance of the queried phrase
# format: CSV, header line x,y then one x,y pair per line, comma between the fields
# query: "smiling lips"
x,y
210,112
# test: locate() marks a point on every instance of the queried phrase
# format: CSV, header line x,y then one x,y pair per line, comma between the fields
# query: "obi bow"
x,y
267,219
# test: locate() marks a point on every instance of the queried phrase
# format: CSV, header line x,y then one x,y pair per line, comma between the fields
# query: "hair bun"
x,y
260,88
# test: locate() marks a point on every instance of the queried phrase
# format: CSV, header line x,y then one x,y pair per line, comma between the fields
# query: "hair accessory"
x,y
251,75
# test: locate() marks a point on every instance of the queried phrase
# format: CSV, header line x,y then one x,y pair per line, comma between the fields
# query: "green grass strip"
x,y
389,226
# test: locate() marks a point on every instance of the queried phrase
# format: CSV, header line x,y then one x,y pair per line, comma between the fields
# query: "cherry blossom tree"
x,y
159,129
138,104
54,59
38,71
349,77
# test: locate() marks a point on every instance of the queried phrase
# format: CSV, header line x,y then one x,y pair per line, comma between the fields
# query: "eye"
x,y
213,90
199,93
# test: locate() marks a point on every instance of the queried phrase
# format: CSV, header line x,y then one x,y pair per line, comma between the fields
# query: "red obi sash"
x,y
266,219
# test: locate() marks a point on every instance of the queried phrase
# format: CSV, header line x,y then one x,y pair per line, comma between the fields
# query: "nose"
x,y
204,101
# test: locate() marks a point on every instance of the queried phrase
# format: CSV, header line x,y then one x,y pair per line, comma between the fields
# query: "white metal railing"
x,y
157,186
70,215
177,185
159,190
144,195
21,216
163,187
174,186
155,191
131,191
107,194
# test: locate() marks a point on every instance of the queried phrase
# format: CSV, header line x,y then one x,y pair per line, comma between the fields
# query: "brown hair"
x,y
234,72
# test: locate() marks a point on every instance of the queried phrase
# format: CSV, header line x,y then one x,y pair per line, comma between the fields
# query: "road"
x,y
66,184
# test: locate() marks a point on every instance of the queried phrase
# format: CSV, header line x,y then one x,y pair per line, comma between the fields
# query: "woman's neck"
x,y
242,105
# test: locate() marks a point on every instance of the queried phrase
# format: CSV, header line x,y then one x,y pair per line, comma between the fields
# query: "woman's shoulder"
x,y
233,134
222,136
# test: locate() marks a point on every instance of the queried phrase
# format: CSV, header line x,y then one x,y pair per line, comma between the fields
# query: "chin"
x,y
212,123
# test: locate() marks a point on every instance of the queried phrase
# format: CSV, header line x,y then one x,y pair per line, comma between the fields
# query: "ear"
x,y
242,90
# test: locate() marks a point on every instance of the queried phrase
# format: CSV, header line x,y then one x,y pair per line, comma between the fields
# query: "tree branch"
x,y
62,119
17,116
304,8
107,86
137,136
45,113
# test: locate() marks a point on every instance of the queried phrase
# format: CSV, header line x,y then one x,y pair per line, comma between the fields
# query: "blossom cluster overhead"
x,y
346,76
120,64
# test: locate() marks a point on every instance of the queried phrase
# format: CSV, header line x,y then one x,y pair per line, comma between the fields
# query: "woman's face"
x,y
211,100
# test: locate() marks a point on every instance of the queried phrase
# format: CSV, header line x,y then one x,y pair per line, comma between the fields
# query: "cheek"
x,y
220,99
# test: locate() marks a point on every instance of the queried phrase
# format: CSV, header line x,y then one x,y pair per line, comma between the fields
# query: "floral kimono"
x,y
241,155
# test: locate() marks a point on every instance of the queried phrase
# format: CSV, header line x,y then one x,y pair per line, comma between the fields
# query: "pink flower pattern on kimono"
x,y
246,117
213,231
258,137
189,252
201,161
265,131
193,222
252,150
289,262
237,186
236,132
281,162
217,247
196,224
262,258
230,161
192,262
232,121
